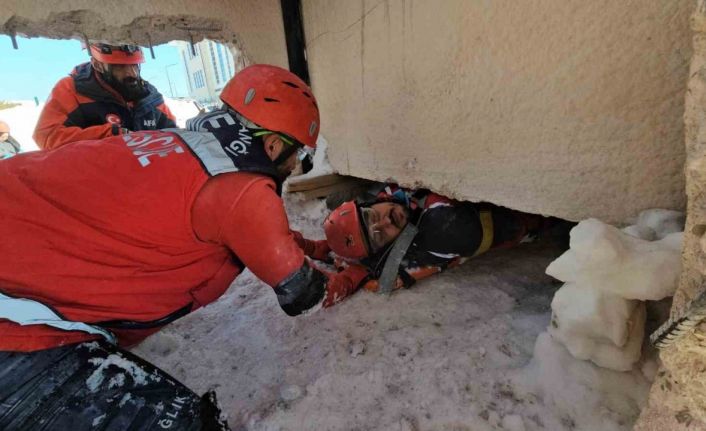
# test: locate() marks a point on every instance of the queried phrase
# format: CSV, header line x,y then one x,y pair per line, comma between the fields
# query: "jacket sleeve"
x,y
315,249
256,229
167,120
53,127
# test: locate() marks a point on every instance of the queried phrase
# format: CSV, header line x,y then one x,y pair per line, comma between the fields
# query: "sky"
x,y
33,69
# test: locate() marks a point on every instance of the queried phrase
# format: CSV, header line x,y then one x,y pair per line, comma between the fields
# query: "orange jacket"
x,y
83,107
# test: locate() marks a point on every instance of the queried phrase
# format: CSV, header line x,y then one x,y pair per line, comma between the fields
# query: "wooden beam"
x,y
304,183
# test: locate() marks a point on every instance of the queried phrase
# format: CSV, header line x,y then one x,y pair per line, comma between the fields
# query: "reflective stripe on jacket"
x,y
101,233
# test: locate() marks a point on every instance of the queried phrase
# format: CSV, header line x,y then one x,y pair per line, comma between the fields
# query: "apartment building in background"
x,y
208,67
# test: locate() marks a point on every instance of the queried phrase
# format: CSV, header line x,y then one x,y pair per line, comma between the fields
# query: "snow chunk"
x,y
356,348
641,232
591,313
607,330
98,419
139,376
117,381
91,346
597,314
127,397
603,257
661,221
656,224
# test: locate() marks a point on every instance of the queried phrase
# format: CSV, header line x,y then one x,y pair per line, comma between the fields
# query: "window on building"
x,y
199,81
219,49
188,78
213,61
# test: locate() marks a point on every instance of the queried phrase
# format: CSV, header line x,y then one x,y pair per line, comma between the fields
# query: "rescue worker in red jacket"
x,y
115,238
104,97
447,232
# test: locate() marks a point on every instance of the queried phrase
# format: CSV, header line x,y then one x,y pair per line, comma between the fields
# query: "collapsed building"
x,y
570,109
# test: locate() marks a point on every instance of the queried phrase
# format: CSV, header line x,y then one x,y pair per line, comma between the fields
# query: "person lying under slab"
x,y
438,232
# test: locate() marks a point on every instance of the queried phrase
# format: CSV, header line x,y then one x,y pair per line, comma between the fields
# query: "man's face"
x,y
124,78
126,73
384,222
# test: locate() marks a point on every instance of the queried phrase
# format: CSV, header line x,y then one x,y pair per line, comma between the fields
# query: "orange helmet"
x,y
112,54
274,99
344,232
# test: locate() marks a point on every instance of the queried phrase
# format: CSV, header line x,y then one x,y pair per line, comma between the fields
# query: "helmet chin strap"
x,y
286,153
290,146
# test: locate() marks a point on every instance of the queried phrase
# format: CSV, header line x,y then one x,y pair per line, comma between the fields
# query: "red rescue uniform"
x,y
132,232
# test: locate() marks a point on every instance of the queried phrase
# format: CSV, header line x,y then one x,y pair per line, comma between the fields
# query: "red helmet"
x,y
274,99
344,232
112,54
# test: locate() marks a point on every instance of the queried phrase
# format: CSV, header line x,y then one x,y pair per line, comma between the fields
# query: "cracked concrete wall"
x,y
568,108
254,26
678,396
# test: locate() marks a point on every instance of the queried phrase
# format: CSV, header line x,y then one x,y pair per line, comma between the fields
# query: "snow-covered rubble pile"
x,y
599,313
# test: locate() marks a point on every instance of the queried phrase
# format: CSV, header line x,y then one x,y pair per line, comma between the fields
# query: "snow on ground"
x,y
453,353
22,119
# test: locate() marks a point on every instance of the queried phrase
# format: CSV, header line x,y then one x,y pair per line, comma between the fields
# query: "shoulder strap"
x,y
392,263
486,221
